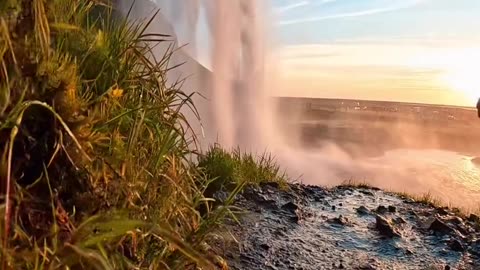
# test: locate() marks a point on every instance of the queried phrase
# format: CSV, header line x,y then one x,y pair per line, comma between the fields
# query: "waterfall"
x,y
224,55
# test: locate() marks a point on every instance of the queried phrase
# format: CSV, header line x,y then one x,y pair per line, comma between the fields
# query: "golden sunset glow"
x,y
466,81
439,73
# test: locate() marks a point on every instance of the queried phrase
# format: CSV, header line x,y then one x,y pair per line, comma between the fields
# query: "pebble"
x,y
362,210
381,209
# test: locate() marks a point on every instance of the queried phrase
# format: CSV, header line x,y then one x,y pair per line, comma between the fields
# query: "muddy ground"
x,y
309,227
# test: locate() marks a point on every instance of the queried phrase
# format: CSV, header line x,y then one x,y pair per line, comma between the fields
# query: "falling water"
x,y
226,62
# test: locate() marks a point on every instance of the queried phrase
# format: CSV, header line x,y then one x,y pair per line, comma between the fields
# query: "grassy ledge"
x,y
97,168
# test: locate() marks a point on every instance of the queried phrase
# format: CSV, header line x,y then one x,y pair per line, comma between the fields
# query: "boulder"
x,y
385,227
440,227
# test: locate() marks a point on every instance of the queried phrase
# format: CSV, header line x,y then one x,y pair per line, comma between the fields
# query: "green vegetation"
x,y
97,165
354,184
228,170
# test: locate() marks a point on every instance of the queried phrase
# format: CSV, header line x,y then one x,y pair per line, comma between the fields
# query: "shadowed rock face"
x,y
315,228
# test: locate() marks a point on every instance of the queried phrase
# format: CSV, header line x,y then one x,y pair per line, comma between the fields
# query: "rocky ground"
x,y
310,227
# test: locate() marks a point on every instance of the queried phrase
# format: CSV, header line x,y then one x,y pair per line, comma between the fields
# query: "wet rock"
x,y
265,246
464,230
385,227
362,210
392,209
367,267
412,213
366,192
221,196
440,227
334,208
290,206
473,218
399,220
456,245
274,185
455,220
340,220
381,209
475,247
442,211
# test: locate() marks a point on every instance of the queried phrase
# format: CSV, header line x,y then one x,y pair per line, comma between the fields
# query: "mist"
x,y
236,86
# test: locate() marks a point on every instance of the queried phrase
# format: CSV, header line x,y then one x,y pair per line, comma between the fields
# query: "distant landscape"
x,y
372,127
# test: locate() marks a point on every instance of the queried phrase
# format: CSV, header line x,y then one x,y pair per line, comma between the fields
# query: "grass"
x,y
426,198
97,165
229,169
355,184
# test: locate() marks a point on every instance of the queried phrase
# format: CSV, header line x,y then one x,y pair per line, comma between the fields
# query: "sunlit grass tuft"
x,y
236,167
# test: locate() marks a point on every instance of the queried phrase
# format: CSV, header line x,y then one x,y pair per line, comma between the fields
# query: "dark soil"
x,y
310,227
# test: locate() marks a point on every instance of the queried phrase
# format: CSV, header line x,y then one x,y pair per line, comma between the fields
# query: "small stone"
x,y
447,267
455,245
265,246
408,252
333,207
399,220
367,267
385,227
340,204
340,266
440,227
362,210
392,209
382,209
366,192
455,220
442,211
291,206
341,220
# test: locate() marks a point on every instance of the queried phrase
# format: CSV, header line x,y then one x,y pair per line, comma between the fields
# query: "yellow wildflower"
x,y
116,93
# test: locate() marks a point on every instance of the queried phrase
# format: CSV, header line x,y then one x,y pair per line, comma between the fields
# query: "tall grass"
x,y
96,166
228,169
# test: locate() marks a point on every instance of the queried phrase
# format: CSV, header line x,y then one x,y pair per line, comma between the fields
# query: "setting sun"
x,y
466,81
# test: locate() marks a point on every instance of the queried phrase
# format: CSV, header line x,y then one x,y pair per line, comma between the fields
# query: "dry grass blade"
x,y
42,28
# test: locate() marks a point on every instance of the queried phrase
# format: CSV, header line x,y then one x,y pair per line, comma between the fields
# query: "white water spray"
x,y
226,61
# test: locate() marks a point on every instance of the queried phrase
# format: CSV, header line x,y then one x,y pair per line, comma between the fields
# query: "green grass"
x,y
355,184
229,169
97,168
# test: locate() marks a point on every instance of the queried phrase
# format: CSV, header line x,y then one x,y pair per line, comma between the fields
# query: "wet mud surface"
x,y
311,227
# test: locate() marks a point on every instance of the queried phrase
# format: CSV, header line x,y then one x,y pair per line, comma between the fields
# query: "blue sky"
x,y
406,50
314,21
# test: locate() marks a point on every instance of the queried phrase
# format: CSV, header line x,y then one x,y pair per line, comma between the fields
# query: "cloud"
x,y
292,6
304,3
351,14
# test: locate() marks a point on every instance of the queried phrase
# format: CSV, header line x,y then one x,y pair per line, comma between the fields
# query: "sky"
x,y
422,51
425,51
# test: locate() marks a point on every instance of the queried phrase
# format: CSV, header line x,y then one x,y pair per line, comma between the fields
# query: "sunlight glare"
x,y
464,80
